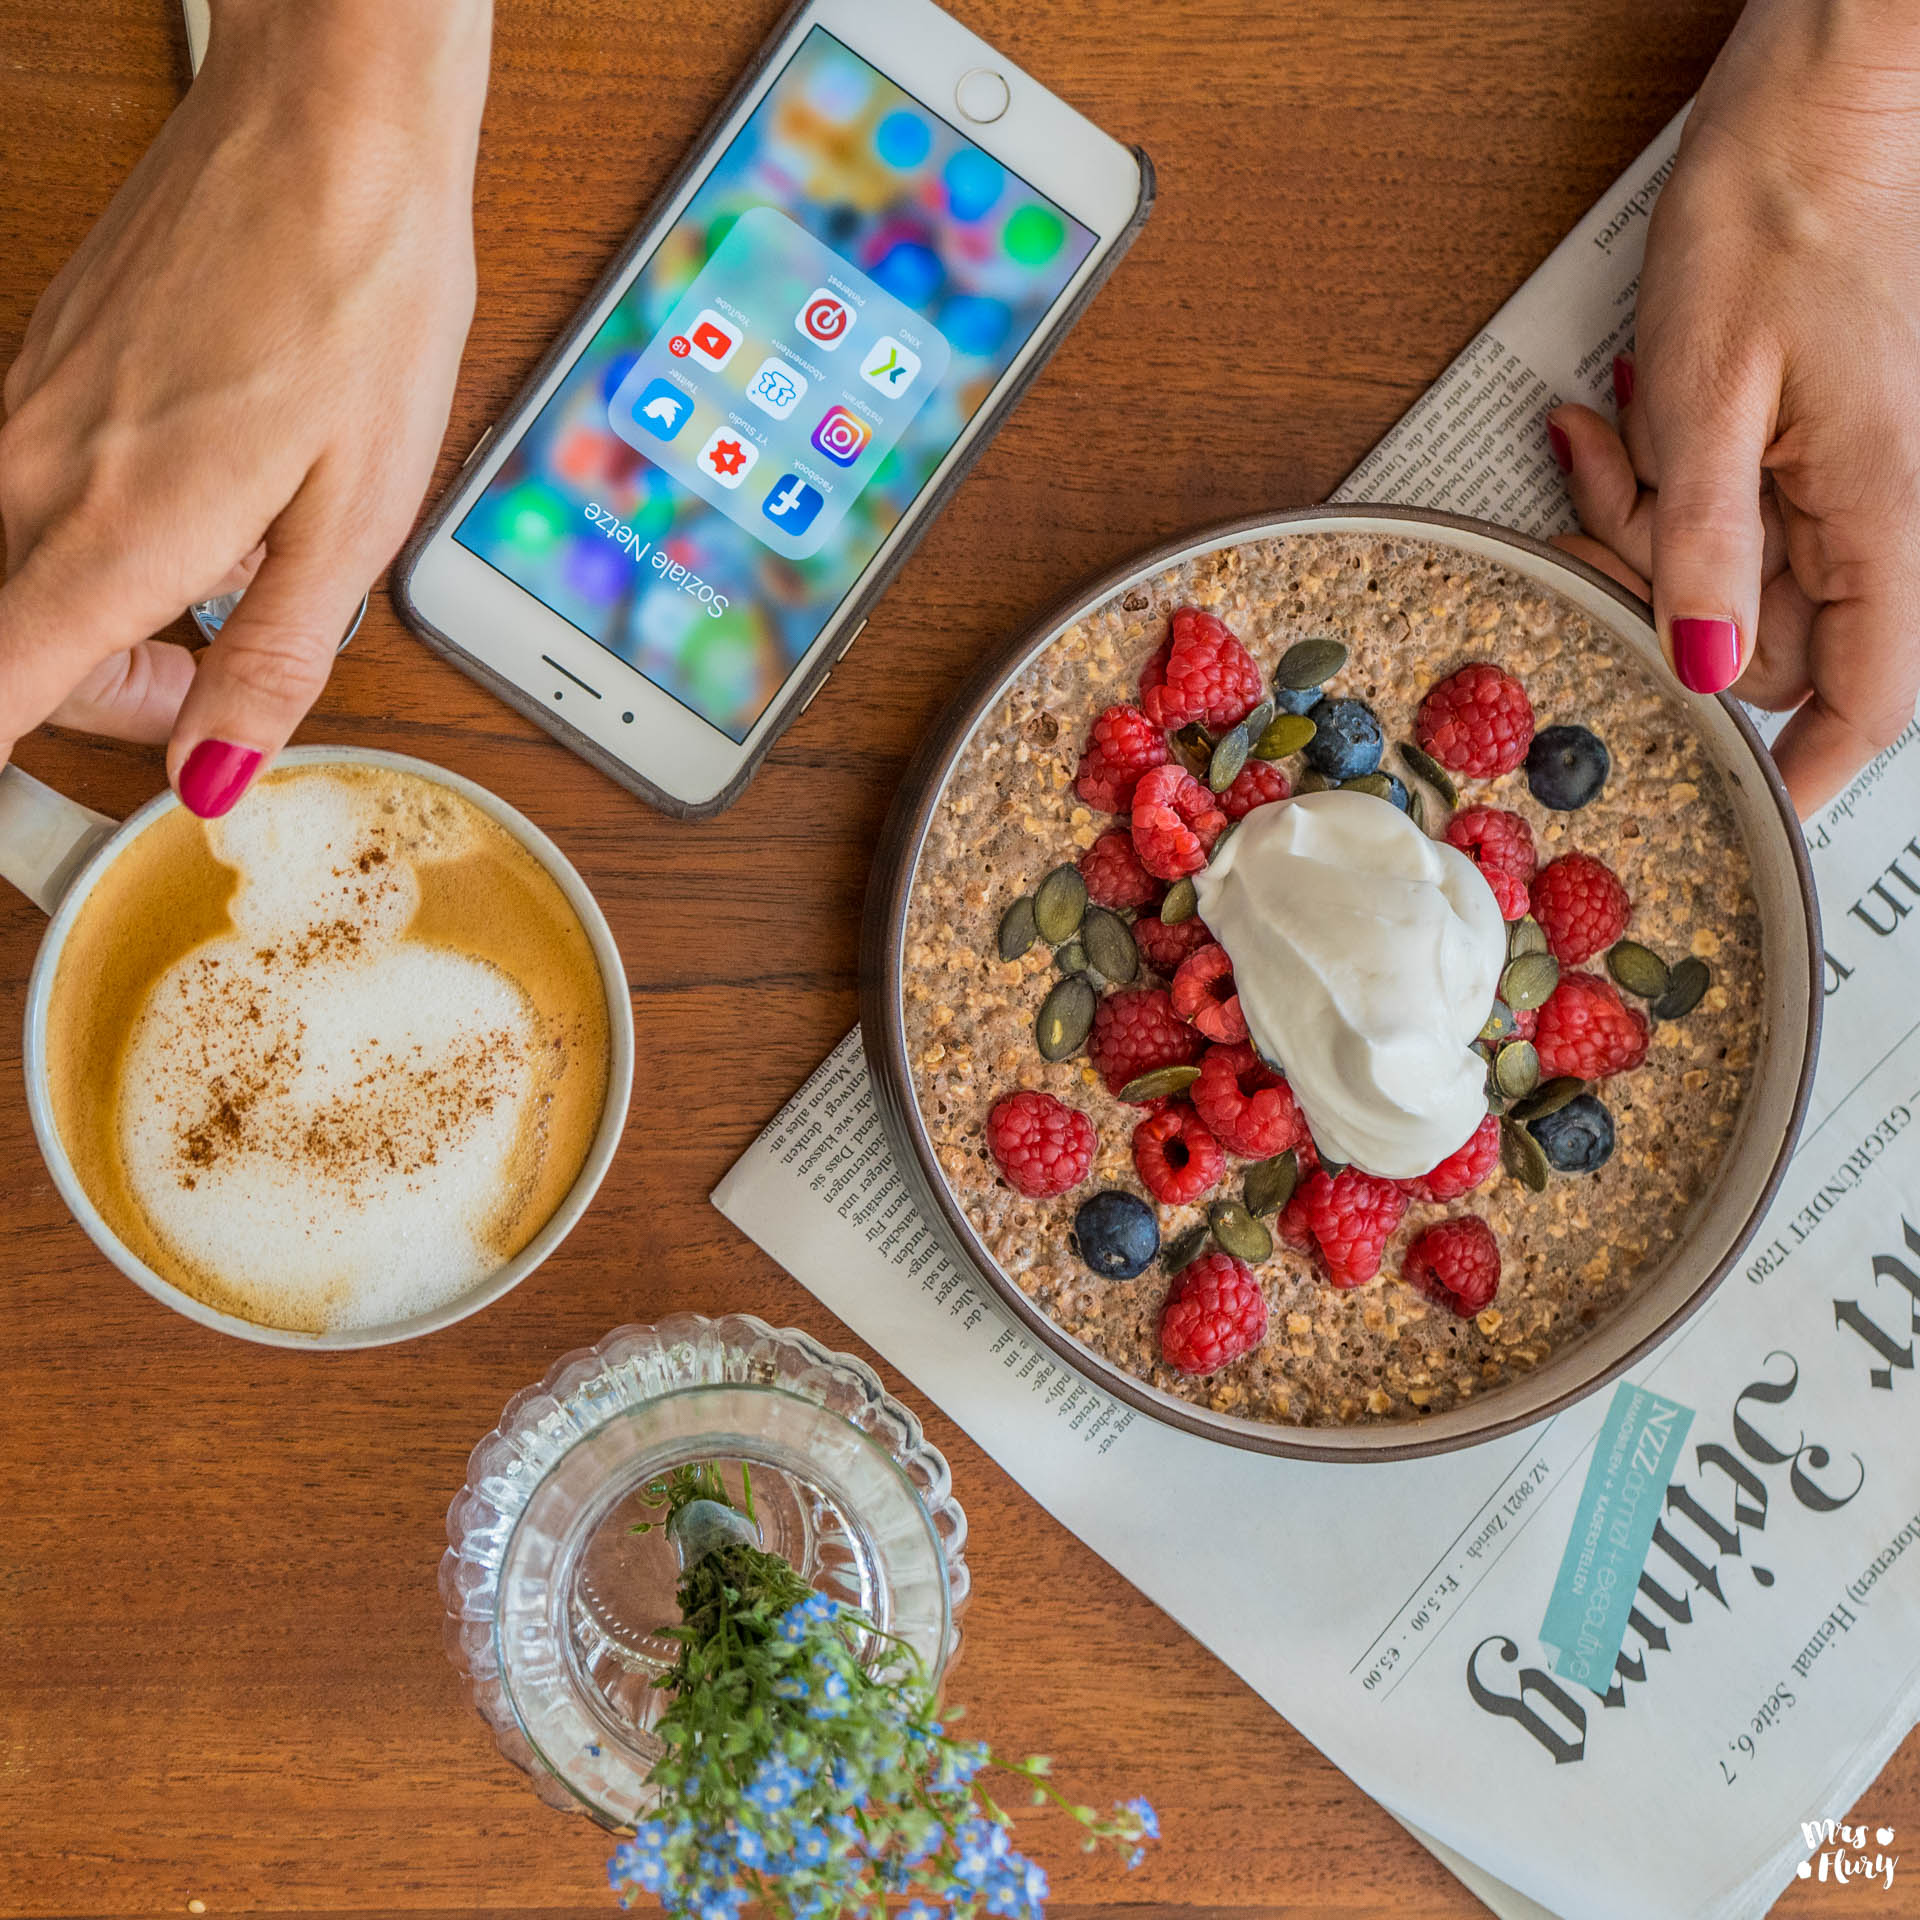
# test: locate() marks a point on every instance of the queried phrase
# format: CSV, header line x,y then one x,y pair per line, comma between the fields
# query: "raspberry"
x,y
1041,1147
1207,676
1163,947
1214,1314
1500,844
1113,873
1477,721
1122,746
1203,992
1258,784
1137,1030
1586,1031
1581,906
1456,1262
1248,1107
1175,822
1349,1216
1154,674
1463,1169
1176,1157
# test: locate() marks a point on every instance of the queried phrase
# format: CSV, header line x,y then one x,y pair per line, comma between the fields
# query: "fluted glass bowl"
x,y
556,1606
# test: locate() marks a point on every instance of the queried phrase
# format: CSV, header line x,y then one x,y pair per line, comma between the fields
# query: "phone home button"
x,y
982,95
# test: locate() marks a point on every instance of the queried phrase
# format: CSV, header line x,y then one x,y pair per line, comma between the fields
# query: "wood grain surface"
x,y
221,1676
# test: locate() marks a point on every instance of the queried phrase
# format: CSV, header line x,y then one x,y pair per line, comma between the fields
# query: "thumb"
x,y
1710,431
255,682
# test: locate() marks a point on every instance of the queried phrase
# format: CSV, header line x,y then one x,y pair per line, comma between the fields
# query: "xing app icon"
x,y
662,409
842,436
728,457
890,366
792,506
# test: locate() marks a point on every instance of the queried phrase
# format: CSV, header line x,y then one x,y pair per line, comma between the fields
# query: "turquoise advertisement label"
x,y
1634,1456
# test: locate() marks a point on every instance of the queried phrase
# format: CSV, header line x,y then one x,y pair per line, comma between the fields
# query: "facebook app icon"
x,y
792,505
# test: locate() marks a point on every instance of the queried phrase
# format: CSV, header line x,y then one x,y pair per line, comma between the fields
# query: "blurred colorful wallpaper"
x,y
611,542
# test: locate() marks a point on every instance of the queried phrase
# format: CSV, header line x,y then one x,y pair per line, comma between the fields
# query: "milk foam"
x,y
316,1113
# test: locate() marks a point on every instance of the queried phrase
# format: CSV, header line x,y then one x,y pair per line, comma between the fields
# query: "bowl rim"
x,y
882,1015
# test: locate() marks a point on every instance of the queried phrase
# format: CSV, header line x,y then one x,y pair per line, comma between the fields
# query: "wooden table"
x,y
221,1678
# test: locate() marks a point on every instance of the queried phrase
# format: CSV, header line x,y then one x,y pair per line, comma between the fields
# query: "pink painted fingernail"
x,y
1706,654
1561,445
1622,381
215,776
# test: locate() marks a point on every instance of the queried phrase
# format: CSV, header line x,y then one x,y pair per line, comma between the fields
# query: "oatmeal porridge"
x,y
1202,1233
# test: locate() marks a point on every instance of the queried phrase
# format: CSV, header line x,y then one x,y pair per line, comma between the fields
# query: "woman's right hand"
x,y
1763,488
243,373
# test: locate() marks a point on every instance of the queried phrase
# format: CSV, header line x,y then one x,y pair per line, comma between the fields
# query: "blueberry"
x,y
1566,767
1296,699
1116,1234
1576,1138
1346,741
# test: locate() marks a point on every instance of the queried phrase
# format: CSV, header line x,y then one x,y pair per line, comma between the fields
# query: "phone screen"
x,y
780,380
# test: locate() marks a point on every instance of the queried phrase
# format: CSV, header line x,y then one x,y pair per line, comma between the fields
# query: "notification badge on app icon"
x,y
711,340
842,436
824,318
728,457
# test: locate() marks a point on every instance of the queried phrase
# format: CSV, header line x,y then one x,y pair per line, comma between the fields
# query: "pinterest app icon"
x,y
824,318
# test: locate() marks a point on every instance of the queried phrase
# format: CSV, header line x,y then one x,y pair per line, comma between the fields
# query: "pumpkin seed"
x,y
1059,903
1431,771
1183,1249
1259,720
1526,937
1416,808
1500,1023
1228,758
1193,748
1688,981
1312,782
1182,903
1109,944
1333,1169
1072,958
1270,1185
1018,930
1284,734
1516,1069
1529,981
1523,1156
1377,784
1639,969
1158,1084
1549,1098
1239,1232
1307,663
1065,1018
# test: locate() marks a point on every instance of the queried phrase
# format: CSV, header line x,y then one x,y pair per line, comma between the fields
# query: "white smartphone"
x,y
662,549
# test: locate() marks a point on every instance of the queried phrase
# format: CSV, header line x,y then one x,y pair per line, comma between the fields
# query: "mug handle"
x,y
45,838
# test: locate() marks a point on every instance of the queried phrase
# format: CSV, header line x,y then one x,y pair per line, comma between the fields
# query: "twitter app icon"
x,y
662,409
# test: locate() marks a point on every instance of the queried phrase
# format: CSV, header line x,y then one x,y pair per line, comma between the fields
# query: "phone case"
x,y
852,614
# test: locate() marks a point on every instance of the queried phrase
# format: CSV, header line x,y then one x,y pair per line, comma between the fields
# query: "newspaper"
x,y
1770,1653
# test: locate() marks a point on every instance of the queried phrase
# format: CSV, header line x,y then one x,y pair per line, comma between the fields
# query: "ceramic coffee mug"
x,y
55,851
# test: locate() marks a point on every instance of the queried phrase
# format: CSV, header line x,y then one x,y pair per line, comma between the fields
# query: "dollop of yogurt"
x,y
1366,958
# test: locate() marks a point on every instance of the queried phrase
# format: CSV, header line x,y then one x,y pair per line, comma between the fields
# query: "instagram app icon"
x,y
842,436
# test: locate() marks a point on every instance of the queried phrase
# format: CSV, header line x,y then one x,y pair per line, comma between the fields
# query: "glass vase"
x,y
559,1592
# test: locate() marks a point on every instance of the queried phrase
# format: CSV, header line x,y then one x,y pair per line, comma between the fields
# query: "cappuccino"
x,y
333,1060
